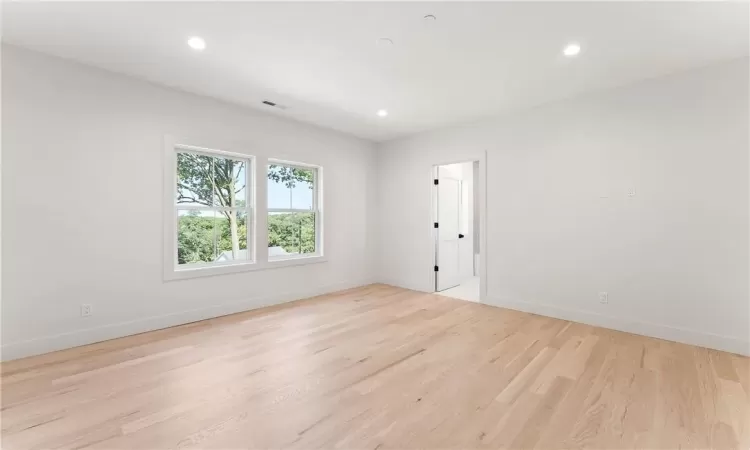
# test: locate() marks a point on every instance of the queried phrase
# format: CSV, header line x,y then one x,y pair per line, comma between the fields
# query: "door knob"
x,y
460,236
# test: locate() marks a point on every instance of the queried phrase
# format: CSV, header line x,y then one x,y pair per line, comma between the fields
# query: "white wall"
x,y
82,205
560,226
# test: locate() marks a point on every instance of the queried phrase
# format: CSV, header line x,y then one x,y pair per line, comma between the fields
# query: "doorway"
x,y
456,209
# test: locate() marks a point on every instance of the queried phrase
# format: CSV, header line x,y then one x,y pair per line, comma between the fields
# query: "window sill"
x,y
188,273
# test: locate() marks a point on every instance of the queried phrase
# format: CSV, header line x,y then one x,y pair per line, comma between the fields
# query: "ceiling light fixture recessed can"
x,y
572,49
430,18
382,113
384,42
197,43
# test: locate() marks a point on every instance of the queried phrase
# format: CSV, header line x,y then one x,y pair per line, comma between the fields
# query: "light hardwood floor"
x,y
378,367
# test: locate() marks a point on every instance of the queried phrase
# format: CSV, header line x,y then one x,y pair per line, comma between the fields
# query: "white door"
x,y
466,229
449,197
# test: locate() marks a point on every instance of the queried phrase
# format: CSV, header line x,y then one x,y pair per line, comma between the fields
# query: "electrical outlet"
x,y
85,310
603,298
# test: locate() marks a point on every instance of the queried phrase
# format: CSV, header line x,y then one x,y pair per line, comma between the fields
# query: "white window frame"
x,y
317,209
172,269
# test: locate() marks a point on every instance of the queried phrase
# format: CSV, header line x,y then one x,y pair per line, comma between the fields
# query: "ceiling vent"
x,y
274,105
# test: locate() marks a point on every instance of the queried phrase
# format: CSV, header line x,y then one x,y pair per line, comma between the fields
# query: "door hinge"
x,y
436,268
436,224
436,182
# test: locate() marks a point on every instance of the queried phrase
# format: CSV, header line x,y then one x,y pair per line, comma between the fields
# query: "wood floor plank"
x,y
378,367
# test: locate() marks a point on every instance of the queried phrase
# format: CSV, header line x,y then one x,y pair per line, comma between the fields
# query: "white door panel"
x,y
466,229
448,246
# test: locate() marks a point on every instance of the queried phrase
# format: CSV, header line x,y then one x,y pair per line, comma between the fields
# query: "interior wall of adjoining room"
x,y
82,205
636,195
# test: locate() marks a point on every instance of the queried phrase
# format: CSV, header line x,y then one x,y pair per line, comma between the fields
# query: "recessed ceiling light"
x,y
197,43
384,42
430,18
572,49
382,113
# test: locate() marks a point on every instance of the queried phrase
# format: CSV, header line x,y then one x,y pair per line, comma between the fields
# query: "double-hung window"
x,y
213,208
211,212
294,210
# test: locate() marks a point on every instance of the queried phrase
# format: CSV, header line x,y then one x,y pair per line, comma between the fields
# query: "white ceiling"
x,y
321,61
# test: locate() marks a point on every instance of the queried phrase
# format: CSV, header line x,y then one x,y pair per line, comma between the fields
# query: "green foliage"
x,y
195,239
209,181
290,176
196,234
294,232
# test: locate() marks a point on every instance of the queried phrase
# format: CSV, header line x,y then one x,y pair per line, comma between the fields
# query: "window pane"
x,y
229,179
231,228
194,179
290,234
290,187
278,194
211,236
302,193
196,237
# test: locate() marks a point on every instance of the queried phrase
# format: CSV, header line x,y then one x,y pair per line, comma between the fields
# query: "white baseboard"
x,y
669,333
86,336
